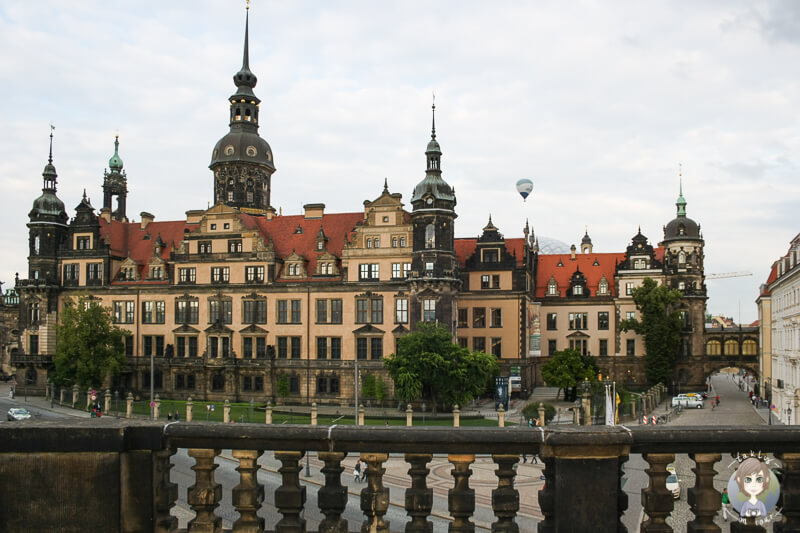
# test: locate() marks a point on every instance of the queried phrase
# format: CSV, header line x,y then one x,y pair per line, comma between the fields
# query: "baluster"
x,y
461,498
419,498
789,501
505,498
332,498
622,499
166,493
547,495
290,497
205,494
656,499
248,495
375,497
704,500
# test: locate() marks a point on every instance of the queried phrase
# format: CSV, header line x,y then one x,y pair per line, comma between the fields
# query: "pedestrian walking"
x,y
363,471
357,471
713,404
717,398
725,503
524,458
177,416
169,415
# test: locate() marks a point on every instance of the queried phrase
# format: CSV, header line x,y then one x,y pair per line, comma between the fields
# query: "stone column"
x,y
269,413
248,495
461,498
409,416
107,405
74,396
226,412
419,497
501,417
704,500
129,405
656,499
633,407
542,417
360,415
189,409
375,497
456,416
88,398
157,408
61,395
586,405
314,414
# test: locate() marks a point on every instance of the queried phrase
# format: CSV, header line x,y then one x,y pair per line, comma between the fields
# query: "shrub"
x,y
532,411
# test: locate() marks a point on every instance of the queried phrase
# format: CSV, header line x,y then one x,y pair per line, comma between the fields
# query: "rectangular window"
x,y
602,320
34,344
495,281
485,281
496,318
336,348
295,347
462,342
283,347
361,311
213,346
71,273
551,347
129,345
220,311
180,346
153,345
235,246
247,383
294,385
397,270
322,311
463,317
603,347
630,347
226,346
187,275
283,311
497,347
629,288
192,348
261,347
491,255
336,311
124,312
247,347
376,348
578,344
406,267
552,321
579,321
296,311
429,310
376,311
254,274
187,312
204,247
368,271
361,348
630,315
478,317
322,347
401,310
220,274
255,311
94,272
83,243
479,344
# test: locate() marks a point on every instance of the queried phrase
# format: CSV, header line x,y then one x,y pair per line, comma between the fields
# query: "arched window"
x,y
369,243
603,287
402,242
394,242
749,347
552,288
731,347
376,243
36,245
713,348
682,258
430,236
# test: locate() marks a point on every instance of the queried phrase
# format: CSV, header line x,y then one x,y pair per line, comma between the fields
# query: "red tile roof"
x,y
548,268
466,247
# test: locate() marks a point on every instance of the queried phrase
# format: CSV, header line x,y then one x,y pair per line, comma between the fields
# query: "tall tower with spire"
x,y
683,269
242,161
47,226
434,280
115,184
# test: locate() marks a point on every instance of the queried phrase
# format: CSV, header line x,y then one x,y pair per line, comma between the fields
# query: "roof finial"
x,y
248,5
50,159
385,184
246,58
681,202
433,116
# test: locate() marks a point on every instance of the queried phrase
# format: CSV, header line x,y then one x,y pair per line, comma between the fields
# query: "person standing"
x,y
357,471
726,501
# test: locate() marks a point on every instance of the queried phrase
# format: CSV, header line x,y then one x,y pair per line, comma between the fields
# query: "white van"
x,y
687,401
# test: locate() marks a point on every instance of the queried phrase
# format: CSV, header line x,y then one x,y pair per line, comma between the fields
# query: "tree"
x,y
429,366
89,347
567,368
282,386
660,325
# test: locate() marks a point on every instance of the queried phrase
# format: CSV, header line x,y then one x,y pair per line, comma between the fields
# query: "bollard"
x,y
542,418
576,416
129,405
501,417
456,416
314,414
107,405
226,412
189,409
409,416
361,415
74,396
269,413
157,408
633,407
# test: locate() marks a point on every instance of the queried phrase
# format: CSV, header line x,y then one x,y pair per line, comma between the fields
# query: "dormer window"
x,y
491,255
320,244
602,288
204,247
294,269
552,288
83,243
640,264
156,272
577,290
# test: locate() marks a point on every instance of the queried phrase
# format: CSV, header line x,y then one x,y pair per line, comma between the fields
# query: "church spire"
x,y
245,80
434,151
681,202
49,174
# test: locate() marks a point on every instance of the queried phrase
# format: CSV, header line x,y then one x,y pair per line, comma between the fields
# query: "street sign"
x,y
208,407
152,404
94,397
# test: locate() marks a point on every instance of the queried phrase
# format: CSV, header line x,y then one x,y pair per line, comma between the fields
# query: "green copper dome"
x,y
115,163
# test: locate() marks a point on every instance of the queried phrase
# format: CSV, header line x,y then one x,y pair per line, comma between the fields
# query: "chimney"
x,y
572,252
314,210
147,218
270,213
105,214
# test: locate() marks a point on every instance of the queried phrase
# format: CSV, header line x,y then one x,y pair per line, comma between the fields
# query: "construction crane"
x,y
728,275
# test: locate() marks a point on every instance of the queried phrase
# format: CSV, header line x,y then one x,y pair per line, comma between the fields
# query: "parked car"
x,y
696,395
18,413
684,400
673,485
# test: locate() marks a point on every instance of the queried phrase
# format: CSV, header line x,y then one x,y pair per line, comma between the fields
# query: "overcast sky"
x,y
597,102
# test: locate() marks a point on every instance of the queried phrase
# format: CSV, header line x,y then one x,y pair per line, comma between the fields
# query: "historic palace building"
x,y
233,298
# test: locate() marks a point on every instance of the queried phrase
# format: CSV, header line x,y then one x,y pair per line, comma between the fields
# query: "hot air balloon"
x,y
524,187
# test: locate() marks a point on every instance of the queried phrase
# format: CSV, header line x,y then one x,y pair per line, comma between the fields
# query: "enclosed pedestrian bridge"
x,y
114,475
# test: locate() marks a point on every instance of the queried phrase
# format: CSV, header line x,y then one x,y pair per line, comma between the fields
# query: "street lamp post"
x,y
152,384
356,390
769,400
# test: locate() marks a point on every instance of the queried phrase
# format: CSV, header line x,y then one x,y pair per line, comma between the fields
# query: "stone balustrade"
x,y
83,475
